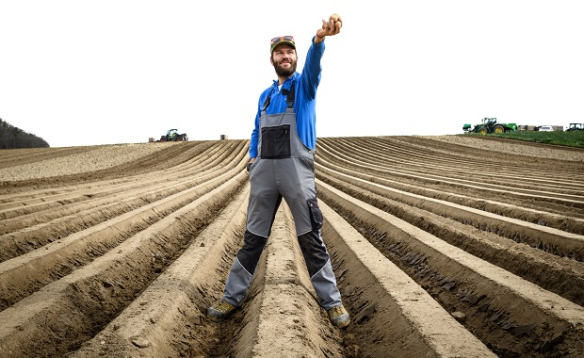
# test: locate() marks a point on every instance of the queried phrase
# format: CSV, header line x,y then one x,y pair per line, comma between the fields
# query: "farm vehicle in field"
x,y
172,135
489,125
575,127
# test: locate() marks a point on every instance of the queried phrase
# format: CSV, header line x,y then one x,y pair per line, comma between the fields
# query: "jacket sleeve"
x,y
253,145
312,68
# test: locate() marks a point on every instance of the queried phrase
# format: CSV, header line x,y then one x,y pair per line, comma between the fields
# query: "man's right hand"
x,y
329,28
249,163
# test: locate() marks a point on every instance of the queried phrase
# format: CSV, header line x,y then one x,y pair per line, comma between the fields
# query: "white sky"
x,y
103,72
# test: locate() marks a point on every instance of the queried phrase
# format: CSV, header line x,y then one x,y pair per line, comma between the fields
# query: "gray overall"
x,y
284,167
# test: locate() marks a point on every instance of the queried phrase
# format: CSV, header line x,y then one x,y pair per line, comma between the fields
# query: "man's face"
x,y
284,60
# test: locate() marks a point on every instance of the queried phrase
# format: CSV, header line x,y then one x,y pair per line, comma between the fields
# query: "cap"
x,y
282,40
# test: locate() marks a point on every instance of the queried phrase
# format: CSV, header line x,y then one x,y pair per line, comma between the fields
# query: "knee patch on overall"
x,y
314,251
250,253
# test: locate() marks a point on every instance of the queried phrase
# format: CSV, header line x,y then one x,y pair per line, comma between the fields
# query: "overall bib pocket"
x,y
276,142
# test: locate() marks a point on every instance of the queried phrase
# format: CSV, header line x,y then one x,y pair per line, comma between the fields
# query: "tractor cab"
x,y
171,134
490,122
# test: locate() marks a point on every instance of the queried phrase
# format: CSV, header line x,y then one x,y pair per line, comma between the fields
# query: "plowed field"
x,y
448,246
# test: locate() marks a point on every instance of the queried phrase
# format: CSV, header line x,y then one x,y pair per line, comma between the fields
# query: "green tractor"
x,y
173,136
489,125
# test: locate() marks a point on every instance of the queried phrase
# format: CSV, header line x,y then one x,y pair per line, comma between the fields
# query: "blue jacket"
x,y
305,100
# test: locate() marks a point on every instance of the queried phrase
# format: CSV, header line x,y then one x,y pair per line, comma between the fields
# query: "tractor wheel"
x,y
498,129
483,130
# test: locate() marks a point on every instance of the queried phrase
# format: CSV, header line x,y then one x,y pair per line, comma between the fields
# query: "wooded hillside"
x,y
12,137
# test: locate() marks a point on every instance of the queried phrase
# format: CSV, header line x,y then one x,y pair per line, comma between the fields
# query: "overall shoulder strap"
x,y
267,101
290,95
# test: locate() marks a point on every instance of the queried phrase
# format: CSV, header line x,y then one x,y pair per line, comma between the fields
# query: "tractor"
x,y
173,136
575,127
489,125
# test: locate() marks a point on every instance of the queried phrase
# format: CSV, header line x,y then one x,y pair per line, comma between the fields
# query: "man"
x,y
282,165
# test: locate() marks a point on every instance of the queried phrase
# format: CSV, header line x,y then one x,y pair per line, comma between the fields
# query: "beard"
x,y
285,72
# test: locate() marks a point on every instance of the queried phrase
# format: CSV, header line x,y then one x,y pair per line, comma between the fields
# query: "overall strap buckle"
x,y
289,95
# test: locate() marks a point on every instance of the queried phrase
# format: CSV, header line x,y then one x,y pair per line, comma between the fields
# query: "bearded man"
x,y
281,165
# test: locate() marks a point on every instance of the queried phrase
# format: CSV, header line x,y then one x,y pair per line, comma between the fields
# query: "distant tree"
x,y
12,137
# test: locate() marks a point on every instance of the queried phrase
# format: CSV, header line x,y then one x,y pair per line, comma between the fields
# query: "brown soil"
x,y
446,246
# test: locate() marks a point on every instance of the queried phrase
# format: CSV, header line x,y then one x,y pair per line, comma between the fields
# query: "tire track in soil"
x,y
145,294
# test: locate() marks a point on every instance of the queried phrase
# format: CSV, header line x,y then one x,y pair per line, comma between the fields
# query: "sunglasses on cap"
x,y
275,40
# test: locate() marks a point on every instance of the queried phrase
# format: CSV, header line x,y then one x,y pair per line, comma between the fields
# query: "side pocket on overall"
x,y
315,214
276,142
309,163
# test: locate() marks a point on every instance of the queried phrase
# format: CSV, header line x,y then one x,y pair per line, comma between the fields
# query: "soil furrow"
x,y
77,217
568,219
551,240
23,275
286,319
45,227
13,157
56,176
393,316
93,295
500,308
564,277
512,175
168,318
546,154
407,157
404,183
572,199
42,200
442,246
